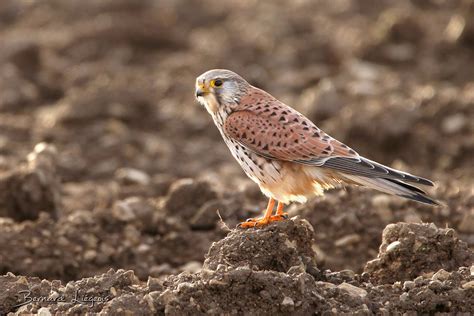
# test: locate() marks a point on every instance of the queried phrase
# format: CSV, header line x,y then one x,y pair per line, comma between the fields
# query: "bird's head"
x,y
219,88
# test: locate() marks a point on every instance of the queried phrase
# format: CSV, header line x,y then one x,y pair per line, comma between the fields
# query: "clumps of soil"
x,y
110,85
31,188
186,195
239,276
411,250
151,236
265,249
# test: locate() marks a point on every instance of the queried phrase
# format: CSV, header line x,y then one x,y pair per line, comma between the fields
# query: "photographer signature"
x,y
83,299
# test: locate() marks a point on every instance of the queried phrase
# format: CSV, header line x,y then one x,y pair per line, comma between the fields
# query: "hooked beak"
x,y
201,90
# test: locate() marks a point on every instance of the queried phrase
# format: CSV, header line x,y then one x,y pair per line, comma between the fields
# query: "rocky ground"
x,y
114,184
420,269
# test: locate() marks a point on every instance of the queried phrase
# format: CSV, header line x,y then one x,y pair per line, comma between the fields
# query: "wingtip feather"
x,y
422,199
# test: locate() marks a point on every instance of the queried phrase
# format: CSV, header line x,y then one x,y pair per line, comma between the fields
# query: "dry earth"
x,y
111,175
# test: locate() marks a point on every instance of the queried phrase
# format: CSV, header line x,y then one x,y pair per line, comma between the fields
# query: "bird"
x,y
285,153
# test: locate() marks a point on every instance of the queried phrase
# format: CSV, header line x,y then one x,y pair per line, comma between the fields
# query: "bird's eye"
x,y
217,83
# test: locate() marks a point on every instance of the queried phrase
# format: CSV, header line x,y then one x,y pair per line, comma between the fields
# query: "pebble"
x,y
435,285
132,176
54,295
90,255
287,301
326,285
186,286
43,311
217,283
468,285
404,297
381,201
346,273
347,240
393,246
154,284
408,285
353,290
123,211
441,275
454,123
419,280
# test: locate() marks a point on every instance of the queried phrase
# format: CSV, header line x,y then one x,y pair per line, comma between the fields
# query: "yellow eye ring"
x,y
216,83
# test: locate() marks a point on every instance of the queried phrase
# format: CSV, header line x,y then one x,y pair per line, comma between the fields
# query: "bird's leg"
x,y
257,222
268,217
280,215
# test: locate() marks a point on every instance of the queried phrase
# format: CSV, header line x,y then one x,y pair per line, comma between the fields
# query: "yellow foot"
x,y
260,222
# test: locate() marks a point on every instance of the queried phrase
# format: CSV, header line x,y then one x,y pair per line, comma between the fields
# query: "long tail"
x,y
394,187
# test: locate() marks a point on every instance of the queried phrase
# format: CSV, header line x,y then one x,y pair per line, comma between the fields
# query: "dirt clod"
x,y
410,250
33,187
265,249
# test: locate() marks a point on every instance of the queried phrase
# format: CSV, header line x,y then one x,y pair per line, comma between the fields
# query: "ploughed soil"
x,y
117,194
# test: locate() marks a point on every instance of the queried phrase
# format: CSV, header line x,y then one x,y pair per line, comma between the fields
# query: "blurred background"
x,y
110,85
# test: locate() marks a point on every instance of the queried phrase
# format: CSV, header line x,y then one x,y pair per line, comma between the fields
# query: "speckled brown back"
x,y
275,130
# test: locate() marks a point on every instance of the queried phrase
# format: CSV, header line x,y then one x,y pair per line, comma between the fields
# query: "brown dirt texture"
x,y
118,196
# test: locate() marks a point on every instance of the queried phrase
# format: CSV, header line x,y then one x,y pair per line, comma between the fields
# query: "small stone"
x,y
123,211
472,270
143,248
90,255
419,280
185,286
217,283
326,285
408,285
22,280
287,301
468,285
43,311
353,290
296,270
154,284
435,285
381,201
132,176
404,297
113,291
393,246
346,273
441,275
347,240
454,123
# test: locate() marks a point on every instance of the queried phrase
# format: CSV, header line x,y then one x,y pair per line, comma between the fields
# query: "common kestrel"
x,y
288,156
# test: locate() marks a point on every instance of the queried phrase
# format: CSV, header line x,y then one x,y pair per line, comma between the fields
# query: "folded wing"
x,y
282,133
